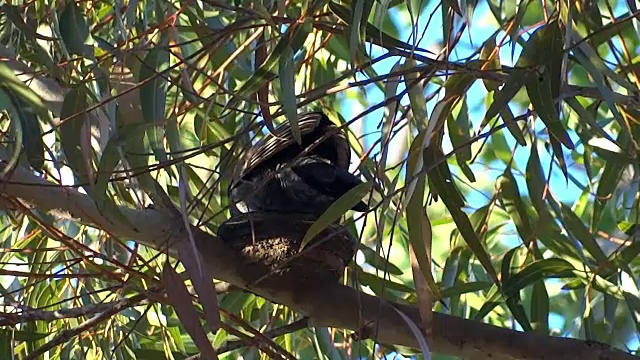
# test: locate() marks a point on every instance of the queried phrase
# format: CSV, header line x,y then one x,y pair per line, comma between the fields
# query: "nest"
x,y
269,246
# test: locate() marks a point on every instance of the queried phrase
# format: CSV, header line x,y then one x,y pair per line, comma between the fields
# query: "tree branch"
x,y
335,306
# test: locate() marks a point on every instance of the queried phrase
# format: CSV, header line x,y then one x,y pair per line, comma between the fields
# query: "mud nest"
x,y
269,246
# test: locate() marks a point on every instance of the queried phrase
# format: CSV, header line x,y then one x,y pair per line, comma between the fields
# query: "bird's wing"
x,y
277,141
281,139
327,178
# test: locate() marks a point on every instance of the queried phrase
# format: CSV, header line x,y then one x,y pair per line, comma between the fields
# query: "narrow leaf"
x,y
335,211
179,297
287,85
73,28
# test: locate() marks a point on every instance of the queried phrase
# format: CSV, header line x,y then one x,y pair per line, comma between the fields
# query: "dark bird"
x,y
276,177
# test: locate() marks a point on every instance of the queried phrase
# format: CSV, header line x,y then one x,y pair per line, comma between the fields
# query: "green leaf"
x,y
509,120
515,206
556,148
379,284
27,127
74,104
153,96
377,261
535,271
539,89
440,179
117,145
514,301
553,239
540,308
608,183
335,211
501,98
491,58
536,182
73,28
464,288
325,343
584,236
461,139
633,303
288,85
11,84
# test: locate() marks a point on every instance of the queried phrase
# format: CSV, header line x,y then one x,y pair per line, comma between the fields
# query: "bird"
x,y
277,177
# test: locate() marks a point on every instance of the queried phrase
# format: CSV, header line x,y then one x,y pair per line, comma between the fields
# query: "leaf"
x,y
326,344
535,271
540,308
73,28
417,220
491,56
153,96
14,15
580,232
440,179
127,136
539,89
512,84
556,148
536,183
17,143
377,261
461,139
287,85
514,205
335,211
379,284
464,288
596,68
459,271
10,83
116,146
501,149
415,157
514,302
201,278
75,104
423,283
608,183
357,29
633,304
27,127
422,342
179,297
595,282
552,238
390,111
509,120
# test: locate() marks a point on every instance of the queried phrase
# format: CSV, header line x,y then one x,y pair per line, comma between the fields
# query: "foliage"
x,y
521,144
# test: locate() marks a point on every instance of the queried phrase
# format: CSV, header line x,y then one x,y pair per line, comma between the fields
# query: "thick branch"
x,y
336,306
151,228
